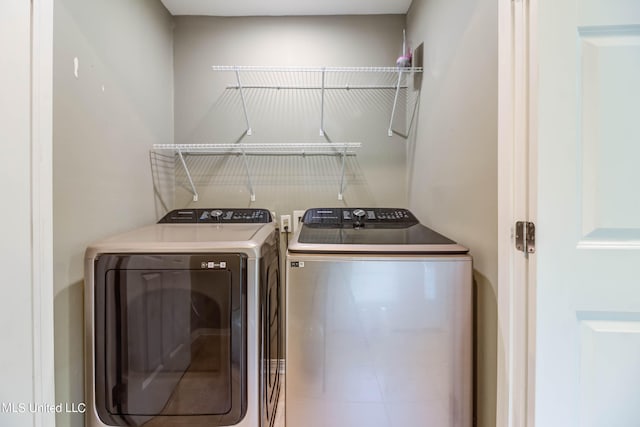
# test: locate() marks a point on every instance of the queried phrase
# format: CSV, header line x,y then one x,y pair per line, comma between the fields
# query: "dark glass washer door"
x,y
412,235
170,338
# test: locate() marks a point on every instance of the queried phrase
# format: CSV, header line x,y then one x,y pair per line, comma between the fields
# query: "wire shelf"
x,y
296,148
318,78
269,69
342,149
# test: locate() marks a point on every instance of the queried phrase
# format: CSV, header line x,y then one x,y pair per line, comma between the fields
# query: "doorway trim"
x,y
42,207
517,195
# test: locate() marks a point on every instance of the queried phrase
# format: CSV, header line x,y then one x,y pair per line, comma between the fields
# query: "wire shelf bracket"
x,y
395,103
186,169
249,132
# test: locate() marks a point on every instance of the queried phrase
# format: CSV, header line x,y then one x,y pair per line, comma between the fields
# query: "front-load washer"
x,y
182,322
378,323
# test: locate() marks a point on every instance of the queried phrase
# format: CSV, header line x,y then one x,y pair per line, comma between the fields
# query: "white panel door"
x,y
588,220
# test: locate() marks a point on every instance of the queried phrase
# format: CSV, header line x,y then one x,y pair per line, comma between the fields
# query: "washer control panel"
x,y
216,215
359,217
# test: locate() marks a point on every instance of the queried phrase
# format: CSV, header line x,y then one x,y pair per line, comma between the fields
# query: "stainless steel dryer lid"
x,y
243,230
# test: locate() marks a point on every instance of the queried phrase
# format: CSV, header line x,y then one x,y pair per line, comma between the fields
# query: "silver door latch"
x,y
526,237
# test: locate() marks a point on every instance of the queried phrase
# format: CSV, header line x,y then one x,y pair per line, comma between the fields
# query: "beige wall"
x,y
453,152
123,101
105,121
206,112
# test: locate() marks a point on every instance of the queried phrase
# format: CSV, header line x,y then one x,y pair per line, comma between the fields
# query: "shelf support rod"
x,y
322,104
186,169
344,156
244,103
395,102
246,166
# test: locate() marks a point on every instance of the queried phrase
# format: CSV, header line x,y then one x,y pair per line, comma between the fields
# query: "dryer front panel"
x,y
170,338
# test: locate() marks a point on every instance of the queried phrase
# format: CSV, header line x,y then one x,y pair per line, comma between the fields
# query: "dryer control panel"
x,y
216,215
359,217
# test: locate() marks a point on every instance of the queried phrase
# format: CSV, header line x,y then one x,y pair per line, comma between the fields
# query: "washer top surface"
x,y
190,234
369,230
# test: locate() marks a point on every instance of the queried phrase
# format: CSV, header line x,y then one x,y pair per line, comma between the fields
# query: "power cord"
x,y
286,248
286,232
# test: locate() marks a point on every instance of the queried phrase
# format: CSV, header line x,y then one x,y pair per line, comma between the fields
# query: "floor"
x,y
279,422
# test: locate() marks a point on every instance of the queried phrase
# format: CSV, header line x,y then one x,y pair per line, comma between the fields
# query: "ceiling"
x,y
285,7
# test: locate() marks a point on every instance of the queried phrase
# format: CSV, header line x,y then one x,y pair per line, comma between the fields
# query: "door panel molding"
x,y
608,60
609,352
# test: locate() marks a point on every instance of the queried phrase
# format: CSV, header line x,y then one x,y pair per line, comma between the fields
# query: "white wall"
x,y
453,152
105,121
206,112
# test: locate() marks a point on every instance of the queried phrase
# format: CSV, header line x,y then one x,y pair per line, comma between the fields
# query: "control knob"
x,y
216,214
358,215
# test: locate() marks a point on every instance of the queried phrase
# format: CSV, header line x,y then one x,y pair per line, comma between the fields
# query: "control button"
x,y
371,215
216,213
